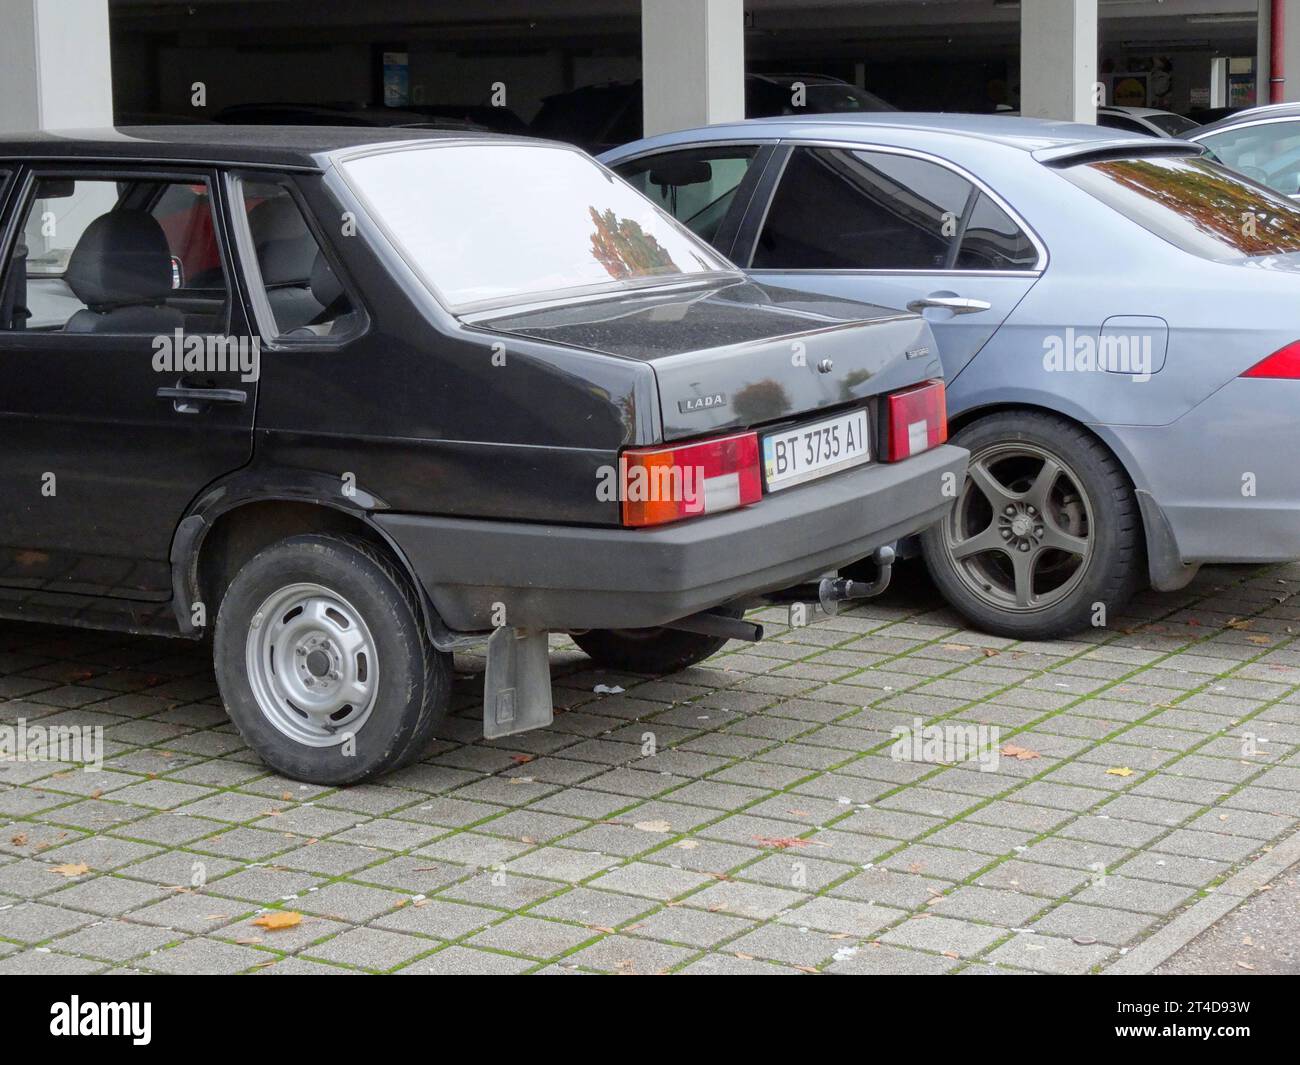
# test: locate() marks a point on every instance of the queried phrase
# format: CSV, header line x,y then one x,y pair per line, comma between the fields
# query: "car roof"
x,y
1027,134
297,147
1136,112
1251,114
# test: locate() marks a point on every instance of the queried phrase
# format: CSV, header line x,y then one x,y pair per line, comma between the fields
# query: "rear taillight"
x,y
918,420
666,484
1285,362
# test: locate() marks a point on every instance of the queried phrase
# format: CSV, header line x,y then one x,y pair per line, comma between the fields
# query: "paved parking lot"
x,y
743,816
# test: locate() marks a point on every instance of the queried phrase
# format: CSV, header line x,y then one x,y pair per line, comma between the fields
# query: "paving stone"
x,y
694,928
116,941
205,956
1010,909
629,956
345,901
892,961
650,881
532,937
588,906
370,948
1116,927
462,961
745,900
1049,954
943,935
35,922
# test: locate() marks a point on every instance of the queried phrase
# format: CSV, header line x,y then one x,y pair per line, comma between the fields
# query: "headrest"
x,y
325,287
121,258
285,246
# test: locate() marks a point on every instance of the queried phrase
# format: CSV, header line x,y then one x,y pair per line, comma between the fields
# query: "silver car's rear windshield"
x,y
1195,204
488,225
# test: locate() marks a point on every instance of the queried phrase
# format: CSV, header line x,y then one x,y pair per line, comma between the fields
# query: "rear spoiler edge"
x,y
1091,151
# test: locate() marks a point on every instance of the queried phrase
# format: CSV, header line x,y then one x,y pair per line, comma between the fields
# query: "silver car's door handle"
x,y
956,304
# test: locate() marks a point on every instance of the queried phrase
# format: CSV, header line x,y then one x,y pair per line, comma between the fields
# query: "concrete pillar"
x,y
1290,51
54,65
692,63
1058,59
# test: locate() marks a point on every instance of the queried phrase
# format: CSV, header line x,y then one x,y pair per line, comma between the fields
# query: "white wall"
x,y
55,71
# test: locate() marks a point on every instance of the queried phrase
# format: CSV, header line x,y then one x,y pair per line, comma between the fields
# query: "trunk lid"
x,y
743,354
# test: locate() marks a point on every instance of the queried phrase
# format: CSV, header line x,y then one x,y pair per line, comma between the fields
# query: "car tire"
x,y
1062,549
653,651
323,661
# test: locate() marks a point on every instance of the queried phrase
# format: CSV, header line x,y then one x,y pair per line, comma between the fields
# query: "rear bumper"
x,y
1222,483
565,577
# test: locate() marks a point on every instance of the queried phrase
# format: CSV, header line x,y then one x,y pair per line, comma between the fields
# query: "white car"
x,y
1145,120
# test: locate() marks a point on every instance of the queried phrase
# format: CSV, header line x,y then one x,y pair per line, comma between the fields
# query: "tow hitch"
x,y
835,590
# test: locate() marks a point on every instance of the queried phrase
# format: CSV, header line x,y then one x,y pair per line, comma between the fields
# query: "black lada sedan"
x,y
347,400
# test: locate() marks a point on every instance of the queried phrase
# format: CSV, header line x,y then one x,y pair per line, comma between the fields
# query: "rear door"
x,y
894,228
130,377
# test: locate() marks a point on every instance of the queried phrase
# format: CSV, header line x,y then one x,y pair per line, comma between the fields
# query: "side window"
x,y
305,296
109,256
992,241
838,210
1268,153
696,186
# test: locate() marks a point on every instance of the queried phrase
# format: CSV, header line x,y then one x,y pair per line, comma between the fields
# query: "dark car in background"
x,y
600,117
411,392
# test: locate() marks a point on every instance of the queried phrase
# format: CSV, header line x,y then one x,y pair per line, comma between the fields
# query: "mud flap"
x,y
517,686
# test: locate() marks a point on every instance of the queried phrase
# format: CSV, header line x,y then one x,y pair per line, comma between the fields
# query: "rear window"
x,y
493,224
1195,204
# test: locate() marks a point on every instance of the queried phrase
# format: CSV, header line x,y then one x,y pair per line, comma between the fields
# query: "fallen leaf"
x,y
991,652
951,954
1022,754
1246,965
783,842
521,759
686,844
19,840
1238,623
660,827
1119,771
743,956
279,919
1262,641
71,869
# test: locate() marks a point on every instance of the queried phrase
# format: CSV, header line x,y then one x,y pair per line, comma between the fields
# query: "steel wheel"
x,y
1021,533
312,665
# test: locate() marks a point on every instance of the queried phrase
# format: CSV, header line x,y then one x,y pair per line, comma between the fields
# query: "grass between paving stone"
x,y
652,906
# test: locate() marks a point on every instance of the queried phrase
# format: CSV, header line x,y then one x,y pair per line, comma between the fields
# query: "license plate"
x,y
805,452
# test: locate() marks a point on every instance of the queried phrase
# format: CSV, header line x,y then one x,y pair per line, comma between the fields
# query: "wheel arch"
x,y
232,522
1165,569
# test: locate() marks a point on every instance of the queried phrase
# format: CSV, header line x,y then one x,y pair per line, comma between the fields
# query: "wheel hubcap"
x,y
312,664
1020,535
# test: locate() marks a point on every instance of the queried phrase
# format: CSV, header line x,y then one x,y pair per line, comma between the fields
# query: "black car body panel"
x,y
481,481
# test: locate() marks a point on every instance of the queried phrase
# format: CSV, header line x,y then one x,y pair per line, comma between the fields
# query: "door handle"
x,y
195,400
956,304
